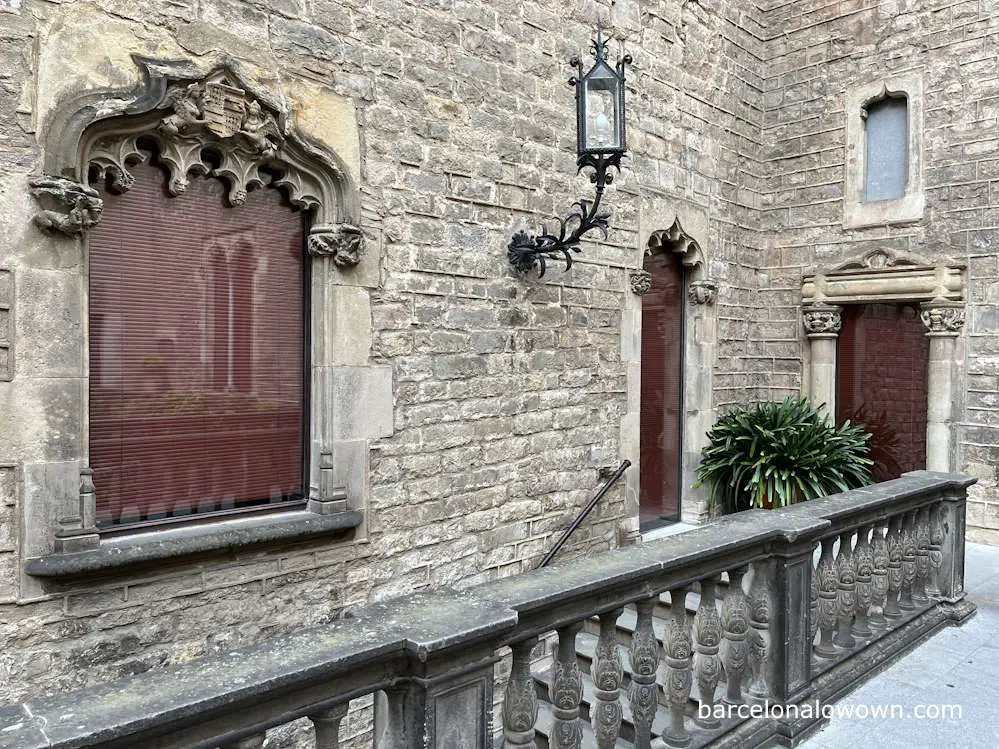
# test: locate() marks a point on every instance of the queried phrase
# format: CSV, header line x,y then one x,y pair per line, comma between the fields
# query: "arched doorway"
x,y
662,391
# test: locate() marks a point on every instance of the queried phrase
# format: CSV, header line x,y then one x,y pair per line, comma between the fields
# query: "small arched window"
x,y
883,153
887,149
198,346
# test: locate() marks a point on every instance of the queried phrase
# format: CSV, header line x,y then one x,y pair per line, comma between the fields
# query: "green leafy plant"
x,y
774,454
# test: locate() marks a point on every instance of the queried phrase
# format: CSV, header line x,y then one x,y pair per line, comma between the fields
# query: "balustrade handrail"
x,y
426,641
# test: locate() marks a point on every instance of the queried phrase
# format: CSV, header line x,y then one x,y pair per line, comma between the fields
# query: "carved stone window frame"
x,y
885,276
214,123
700,325
909,208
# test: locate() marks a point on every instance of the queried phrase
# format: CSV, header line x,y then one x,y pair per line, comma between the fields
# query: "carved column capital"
x,y
344,243
641,282
68,207
702,292
822,320
942,319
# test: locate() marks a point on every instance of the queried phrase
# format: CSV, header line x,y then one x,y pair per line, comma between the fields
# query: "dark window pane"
x,y
883,354
887,149
197,351
662,373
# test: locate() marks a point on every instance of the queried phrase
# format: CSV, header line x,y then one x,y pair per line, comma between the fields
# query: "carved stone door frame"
x,y
700,323
892,276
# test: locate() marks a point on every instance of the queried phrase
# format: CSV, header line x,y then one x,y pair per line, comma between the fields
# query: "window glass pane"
x,y
887,149
601,113
197,351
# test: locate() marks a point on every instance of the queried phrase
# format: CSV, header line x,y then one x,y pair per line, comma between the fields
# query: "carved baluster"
x,y
759,634
567,691
520,702
327,725
863,558
846,599
879,578
828,582
894,541
936,551
908,561
607,674
644,658
922,529
707,640
679,648
735,648
250,742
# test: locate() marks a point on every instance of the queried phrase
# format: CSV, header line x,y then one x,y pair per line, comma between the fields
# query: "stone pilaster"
x,y
943,321
822,326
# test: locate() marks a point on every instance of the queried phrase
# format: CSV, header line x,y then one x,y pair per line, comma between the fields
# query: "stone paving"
x,y
956,667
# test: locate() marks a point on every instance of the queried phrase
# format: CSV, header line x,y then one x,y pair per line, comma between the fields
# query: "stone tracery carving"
x,y
676,240
701,289
198,123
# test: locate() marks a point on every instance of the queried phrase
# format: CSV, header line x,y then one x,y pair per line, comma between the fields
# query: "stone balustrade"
x,y
792,607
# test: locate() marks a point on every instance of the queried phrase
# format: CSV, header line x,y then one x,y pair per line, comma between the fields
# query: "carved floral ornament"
x,y
209,126
822,320
942,320
675,240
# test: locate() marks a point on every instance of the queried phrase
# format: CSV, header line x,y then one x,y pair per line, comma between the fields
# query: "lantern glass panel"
x,y
601,130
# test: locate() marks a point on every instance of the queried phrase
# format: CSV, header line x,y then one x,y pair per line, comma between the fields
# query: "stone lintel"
x,y
904,283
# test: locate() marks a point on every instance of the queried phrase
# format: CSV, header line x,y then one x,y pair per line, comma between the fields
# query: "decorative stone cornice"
x,y
702,292
822,321
197,121
344,243
942,319
68,207
885,275
641,282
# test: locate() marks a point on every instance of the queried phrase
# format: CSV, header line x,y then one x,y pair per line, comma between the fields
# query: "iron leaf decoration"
x,y
527,250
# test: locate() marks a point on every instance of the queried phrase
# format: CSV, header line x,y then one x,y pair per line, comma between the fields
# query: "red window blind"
x,y
662,374
197,351
881,382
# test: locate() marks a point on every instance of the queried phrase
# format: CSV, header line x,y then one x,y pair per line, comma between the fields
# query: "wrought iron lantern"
x,y
600,133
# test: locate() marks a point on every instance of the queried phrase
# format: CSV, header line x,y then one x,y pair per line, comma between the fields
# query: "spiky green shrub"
x,y
775,454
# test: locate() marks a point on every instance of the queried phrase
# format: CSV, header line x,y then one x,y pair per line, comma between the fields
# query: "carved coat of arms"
x,y
224,109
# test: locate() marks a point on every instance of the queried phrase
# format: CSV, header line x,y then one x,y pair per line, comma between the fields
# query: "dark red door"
x,y
662,376
881,382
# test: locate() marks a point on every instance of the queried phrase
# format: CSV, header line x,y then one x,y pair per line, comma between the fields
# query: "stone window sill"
x,y
904,210
152,546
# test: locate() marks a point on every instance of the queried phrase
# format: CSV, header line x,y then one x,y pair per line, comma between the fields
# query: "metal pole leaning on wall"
x,y
586,511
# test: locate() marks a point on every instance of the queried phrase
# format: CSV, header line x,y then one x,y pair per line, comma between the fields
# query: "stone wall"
x,y
509,394
818,53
